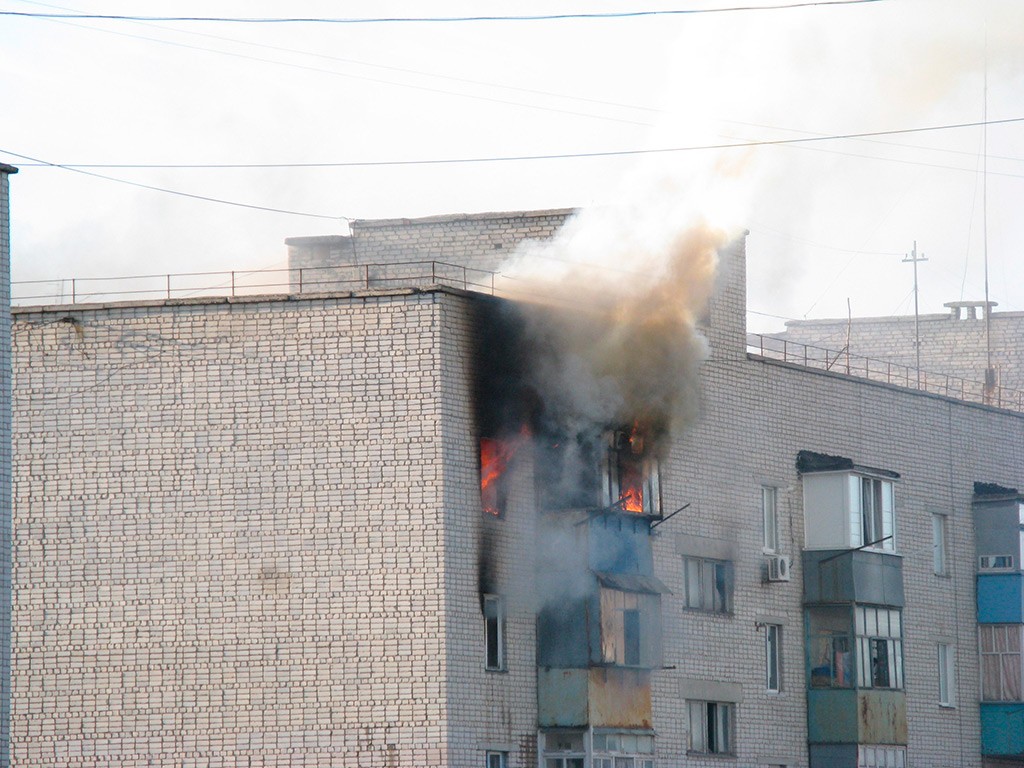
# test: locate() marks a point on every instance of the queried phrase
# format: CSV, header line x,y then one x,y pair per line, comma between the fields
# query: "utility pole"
x,y
914,259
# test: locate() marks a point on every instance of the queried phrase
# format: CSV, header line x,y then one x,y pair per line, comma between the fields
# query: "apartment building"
x,y
343,525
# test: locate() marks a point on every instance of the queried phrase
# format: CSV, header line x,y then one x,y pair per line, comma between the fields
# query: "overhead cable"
x,y
433,19
522,158
173,191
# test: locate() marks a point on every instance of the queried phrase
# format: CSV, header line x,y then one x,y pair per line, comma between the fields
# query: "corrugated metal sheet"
x,y
632,582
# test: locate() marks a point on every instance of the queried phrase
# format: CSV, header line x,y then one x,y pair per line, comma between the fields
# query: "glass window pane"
x,y
692,583
697,733
1011,677
1013,638
895,623
991,673
600,742
987,637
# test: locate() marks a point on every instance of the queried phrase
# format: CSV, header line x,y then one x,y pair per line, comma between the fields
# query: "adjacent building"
x,y
338,527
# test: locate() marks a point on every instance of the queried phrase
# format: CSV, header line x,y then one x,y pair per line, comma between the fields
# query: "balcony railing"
x,y
185,285
898,374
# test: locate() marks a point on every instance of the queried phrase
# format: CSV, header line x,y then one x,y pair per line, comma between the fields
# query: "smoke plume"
x,y
609,309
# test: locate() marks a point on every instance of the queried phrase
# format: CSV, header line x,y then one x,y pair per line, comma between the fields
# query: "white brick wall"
x,y
249,533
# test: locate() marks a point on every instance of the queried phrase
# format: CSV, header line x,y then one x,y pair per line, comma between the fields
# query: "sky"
x,y
830,221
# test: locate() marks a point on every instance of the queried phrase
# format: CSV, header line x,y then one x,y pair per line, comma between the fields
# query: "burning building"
x,y
388,520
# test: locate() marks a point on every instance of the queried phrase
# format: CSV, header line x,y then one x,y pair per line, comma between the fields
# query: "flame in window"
x,y
495,457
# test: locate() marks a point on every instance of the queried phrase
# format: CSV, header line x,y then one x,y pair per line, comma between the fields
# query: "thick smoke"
x,y
609,313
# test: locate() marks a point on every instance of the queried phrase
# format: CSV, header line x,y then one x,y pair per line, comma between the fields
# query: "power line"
x,y
174,191
433,19
365,78
521,158
357,62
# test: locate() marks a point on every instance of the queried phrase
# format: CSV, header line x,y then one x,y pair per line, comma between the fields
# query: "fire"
x,y
495,456
631,473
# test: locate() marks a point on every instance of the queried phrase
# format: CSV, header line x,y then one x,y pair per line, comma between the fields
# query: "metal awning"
x,y
632,582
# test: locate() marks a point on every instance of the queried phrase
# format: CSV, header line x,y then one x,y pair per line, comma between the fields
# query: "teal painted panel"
x,y
562,697
832,716
1001,598
1002,729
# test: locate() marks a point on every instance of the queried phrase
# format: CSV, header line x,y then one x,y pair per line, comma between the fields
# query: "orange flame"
x,y
495,456
631,476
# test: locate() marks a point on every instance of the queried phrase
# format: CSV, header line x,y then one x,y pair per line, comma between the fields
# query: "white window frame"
x,y
872,513
881,756
770,518
940,544
622,750
494,633
995,563
875,629
711,728
946,658
496,759
707,584
1003,648
773,657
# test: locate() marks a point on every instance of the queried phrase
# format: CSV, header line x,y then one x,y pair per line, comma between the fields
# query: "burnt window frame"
x,y
494,633
615,445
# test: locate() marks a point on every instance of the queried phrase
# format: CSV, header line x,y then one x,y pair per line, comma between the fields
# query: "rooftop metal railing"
x,y
358,277
898,374
409,274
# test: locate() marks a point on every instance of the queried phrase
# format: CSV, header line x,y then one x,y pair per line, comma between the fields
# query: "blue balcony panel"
x,y
1002,729
1001,598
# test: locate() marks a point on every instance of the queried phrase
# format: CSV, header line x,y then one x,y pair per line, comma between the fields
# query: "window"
x,y
872,520
711,725
564,749
623,750
947,664
881,757
773,657
995,563
1001,662
708,584
631,476
770,516
939,545
830,647
620,627
494,632
497,760
879,647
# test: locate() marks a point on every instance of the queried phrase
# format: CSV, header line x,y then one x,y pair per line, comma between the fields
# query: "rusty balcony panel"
x,y
620,698
852,716
605,697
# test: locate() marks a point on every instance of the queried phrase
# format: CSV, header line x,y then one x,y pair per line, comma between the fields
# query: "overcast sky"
x,y
829,221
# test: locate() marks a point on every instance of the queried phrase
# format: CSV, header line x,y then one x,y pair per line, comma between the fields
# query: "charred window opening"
x,y
493,478
630,473
496,458
494,632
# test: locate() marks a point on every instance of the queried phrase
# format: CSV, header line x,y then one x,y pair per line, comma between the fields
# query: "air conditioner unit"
x,y
779,567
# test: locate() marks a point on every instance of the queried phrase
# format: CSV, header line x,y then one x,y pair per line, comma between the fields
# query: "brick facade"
x,y
5,463
248,533
952,343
